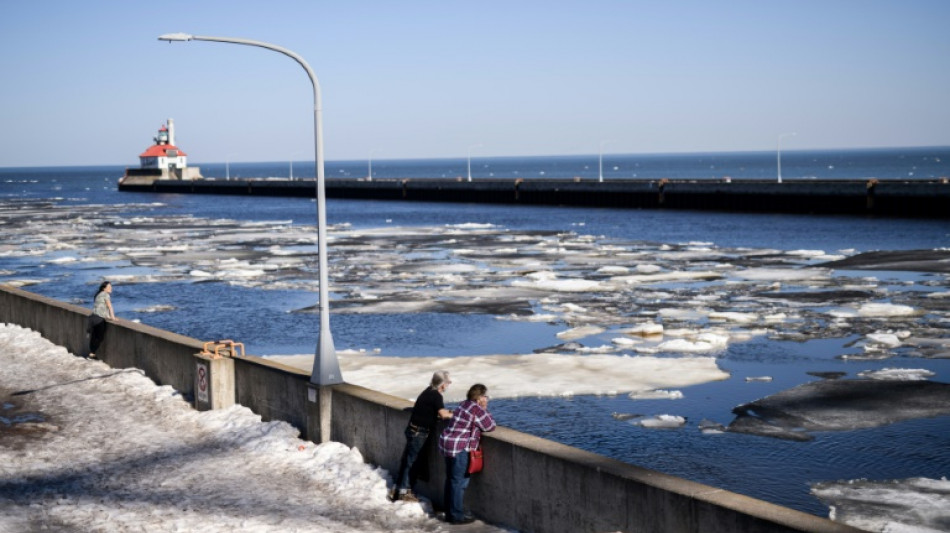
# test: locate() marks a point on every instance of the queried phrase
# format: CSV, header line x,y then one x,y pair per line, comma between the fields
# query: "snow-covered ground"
x,y
85,447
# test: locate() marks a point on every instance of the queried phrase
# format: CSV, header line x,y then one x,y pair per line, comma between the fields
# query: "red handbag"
x,y
475,460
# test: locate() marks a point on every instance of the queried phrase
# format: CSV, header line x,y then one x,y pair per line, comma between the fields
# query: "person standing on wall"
x,y
463,435
101,310
429,408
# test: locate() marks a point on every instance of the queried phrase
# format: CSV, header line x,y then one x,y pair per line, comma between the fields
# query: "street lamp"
x,y
600,162
326,367
778,154
470,160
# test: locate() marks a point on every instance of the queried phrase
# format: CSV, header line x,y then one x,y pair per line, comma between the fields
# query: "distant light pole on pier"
x,y
778,153
369,177
292,164
470,160
600,161
227,166
326,366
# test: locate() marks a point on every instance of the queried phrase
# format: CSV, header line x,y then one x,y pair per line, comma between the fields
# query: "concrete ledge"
x,y
529,483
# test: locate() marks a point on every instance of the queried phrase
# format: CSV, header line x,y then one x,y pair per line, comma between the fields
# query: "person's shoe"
x,y
408,496
465,520
394,495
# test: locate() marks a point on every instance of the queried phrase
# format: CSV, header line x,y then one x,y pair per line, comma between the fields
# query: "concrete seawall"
x,y
924,199
529,484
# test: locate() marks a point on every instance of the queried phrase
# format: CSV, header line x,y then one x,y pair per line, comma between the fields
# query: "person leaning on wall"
x,y
96,323
428,409
463,435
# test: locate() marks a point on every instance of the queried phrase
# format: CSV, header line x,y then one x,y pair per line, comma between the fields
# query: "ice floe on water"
x,y
513,376
580,281
657,394
903,374
844,404
914,505
659,421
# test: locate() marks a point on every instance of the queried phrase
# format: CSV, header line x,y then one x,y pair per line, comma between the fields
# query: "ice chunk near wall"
x,y
513,376
918,505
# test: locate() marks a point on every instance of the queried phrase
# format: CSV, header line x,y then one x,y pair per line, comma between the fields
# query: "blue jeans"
x,y
415,440
456,481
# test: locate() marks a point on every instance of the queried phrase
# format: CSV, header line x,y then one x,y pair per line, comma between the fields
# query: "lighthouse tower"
x,y
163,160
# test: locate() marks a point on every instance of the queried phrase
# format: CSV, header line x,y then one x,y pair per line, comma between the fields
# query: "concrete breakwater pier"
x,y
892,198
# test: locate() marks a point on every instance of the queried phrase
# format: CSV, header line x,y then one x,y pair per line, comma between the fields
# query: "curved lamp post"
x,y
326,367
778,153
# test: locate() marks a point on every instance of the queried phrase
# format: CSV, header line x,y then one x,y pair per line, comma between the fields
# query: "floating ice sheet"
x,y
512,376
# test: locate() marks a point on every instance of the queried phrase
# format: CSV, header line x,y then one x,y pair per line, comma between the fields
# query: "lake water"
x,y
776,470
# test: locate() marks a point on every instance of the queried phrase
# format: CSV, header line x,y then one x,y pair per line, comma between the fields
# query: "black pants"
x,y
96,328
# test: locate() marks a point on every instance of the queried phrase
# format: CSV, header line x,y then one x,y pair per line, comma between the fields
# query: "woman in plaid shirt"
x,y
469,420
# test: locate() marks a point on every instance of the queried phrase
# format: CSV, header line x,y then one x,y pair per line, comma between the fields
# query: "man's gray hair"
x,y
440,377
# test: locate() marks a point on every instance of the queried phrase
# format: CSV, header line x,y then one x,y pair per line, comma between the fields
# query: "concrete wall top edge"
x,y
263,361
48,301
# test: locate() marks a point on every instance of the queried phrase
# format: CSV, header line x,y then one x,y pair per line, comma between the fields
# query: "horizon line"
x,y
483,157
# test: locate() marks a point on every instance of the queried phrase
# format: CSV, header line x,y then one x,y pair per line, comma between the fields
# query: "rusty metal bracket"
x,y
222,348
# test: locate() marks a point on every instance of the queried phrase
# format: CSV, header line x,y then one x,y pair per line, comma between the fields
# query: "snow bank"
x,y
119,453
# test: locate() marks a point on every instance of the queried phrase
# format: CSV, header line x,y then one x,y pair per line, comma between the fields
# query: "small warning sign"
x,y
201,382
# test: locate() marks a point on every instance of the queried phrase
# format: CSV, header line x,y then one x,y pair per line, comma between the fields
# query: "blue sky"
x,y
88,83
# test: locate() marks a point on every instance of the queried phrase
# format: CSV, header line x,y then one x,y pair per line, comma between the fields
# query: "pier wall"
x,y
529,484
927,199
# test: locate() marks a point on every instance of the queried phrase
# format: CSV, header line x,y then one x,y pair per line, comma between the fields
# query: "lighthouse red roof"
x,y
159,150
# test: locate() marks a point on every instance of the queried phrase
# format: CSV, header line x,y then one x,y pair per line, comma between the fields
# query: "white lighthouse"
x,y
162,160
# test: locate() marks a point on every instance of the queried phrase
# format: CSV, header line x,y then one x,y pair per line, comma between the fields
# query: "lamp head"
x,y
176,37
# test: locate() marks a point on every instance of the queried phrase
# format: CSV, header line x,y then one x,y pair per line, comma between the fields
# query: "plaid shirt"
x,y
465,430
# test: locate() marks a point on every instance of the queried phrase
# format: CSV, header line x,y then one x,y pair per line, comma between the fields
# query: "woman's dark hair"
x,y
102,287
477,391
